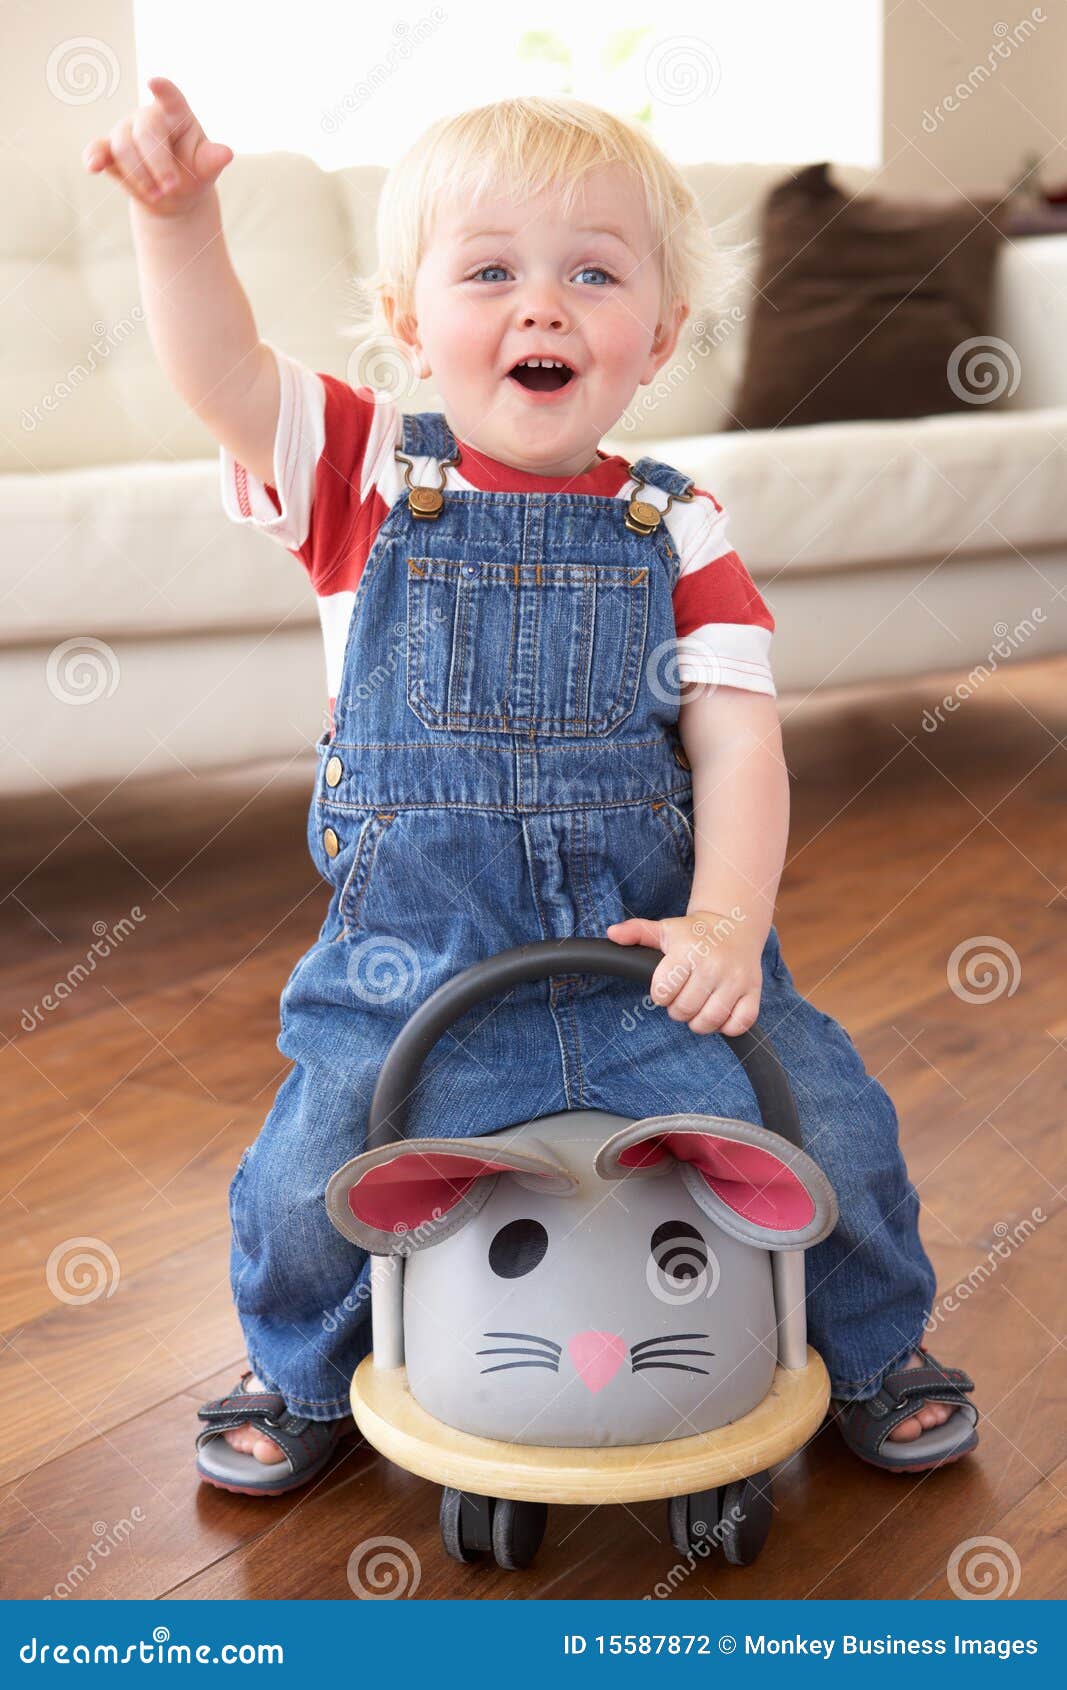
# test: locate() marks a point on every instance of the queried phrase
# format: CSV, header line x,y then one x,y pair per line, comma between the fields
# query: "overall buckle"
x,y
642,517
424,503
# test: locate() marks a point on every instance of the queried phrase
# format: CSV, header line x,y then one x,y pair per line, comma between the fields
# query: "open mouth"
x,y
542,375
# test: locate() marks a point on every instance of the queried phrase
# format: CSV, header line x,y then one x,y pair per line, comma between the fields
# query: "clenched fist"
x,y
160,155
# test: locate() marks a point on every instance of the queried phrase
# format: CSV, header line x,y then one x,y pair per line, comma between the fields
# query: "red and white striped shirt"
x,y
336,478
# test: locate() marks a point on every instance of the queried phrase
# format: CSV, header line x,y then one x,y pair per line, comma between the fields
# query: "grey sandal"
x,y
865,1426
308,1444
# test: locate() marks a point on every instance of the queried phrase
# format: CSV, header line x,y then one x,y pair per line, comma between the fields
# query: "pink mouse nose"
x,y
597,1356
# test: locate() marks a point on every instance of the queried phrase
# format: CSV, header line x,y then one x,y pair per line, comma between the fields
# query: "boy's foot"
x,y
248,1439
919,1418
930,1414
252,1443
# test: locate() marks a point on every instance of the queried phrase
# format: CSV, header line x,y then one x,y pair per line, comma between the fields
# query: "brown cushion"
x,y
861,302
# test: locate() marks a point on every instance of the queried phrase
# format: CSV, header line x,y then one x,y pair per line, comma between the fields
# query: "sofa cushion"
x,y
147,548
862,302
139,548
79,380
844,494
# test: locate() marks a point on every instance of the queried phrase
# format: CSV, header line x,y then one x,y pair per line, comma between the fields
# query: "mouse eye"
x,y
679,1251
517,1249
680,1266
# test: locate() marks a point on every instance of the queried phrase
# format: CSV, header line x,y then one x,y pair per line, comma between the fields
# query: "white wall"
x,y
972,87
1008,56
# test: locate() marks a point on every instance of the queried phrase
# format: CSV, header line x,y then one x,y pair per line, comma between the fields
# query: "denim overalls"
x,y
505,767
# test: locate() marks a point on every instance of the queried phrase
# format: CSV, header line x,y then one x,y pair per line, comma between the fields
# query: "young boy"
x,y
552,713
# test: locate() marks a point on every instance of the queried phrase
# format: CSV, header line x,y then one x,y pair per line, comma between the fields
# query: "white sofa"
x,y
886,550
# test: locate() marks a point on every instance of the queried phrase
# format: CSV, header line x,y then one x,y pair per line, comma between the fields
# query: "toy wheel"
x,y
692,1519
466,1524
518,1529
747,1507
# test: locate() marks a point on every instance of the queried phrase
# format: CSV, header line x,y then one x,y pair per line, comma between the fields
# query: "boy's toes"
x,y
241,1437
908,1430
265,1449
251,1442
934,1414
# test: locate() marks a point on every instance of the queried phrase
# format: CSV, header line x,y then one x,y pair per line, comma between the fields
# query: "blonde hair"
x,y
542,143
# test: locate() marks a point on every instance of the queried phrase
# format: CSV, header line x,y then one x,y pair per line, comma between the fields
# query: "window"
x,y
765,80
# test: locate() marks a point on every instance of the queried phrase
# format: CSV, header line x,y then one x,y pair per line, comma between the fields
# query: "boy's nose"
x,y
548,318
597,1356
542,306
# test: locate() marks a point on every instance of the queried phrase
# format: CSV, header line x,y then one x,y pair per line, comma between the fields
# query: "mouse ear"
x,y
419,1191
754,1184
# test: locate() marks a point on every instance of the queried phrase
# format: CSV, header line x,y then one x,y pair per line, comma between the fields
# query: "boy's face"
x,y
505,281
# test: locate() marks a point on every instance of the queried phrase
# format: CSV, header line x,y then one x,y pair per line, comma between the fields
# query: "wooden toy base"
x,y
390,1419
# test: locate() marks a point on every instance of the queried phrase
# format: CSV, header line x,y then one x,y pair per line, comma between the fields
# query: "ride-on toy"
x,y
586,1308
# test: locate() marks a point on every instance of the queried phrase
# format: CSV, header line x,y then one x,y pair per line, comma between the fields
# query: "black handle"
x,y
401,1068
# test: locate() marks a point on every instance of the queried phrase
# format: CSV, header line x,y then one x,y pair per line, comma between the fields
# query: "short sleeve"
x,y
722,624
333,474
282,510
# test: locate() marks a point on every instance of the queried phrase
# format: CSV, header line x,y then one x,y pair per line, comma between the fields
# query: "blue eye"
x,y
596,270
479,273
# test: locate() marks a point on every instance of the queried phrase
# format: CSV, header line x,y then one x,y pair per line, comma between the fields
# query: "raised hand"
x,y
160,155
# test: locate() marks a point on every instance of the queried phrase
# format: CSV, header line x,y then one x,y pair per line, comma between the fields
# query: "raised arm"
x,y
199,318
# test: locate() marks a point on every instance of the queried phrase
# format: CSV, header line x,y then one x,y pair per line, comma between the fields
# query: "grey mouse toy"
x,y
583,1279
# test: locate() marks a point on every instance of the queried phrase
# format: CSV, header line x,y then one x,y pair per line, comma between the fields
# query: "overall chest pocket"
x,y
540,649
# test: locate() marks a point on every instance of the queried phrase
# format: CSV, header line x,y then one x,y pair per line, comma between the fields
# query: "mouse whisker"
x,y
533,1338
660,1358
505,1366
517,1350
674,1366
666,1338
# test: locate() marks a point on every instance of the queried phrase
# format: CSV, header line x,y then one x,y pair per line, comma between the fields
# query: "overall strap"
x,y
427,435
668,480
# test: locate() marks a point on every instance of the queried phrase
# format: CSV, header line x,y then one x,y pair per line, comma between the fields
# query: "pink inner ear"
x,y
750,1181
411,1189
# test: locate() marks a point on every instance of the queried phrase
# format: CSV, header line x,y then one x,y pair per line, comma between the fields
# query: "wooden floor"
x,y
126,1107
